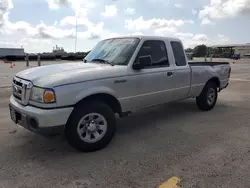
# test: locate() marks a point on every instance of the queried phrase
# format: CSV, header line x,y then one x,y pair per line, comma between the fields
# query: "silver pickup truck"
x,y
119,76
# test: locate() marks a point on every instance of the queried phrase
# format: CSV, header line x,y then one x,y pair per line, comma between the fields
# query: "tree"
x,y
200,51
189,50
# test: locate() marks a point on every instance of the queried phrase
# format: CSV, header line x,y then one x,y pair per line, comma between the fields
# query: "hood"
x,y
66,73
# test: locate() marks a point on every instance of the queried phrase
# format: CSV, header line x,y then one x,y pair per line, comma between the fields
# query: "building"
x,y
11,52
243,50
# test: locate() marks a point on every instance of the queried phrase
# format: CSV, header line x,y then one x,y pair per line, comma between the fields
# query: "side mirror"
x,y
143,61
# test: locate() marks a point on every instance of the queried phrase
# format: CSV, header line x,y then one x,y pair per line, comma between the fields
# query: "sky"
x,y
39,25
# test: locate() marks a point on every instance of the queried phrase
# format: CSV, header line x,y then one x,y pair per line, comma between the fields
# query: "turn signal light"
x,y
49,97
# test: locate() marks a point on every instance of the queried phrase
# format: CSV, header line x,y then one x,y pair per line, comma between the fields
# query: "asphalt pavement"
x,y
202,149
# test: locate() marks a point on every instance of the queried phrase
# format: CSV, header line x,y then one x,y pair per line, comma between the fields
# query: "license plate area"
x,y
15,116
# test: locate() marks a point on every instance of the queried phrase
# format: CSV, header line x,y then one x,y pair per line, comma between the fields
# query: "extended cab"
x,y
119,76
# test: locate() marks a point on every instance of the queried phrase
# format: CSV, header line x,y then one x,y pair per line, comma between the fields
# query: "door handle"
x,y
120,81
170,74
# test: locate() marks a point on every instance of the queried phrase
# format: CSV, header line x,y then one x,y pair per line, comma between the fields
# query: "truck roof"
x,y
149,37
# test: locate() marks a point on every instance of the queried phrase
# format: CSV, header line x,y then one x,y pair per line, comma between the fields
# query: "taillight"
x,y
229,72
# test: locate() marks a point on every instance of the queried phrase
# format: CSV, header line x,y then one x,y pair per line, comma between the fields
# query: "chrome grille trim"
x,y
21,90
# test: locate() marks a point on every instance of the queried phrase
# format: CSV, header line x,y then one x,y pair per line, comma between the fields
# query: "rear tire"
x,y
91,126
208,97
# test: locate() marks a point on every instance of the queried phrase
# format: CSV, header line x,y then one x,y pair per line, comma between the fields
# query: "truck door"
x,y
182,76
154,83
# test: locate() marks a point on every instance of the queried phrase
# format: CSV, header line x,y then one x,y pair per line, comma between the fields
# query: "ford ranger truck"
x,y
119,76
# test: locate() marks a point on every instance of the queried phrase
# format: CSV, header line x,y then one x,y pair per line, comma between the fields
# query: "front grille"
x,y
21,90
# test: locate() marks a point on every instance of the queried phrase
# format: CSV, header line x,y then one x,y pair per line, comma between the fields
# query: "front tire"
x,y
208,97
91,126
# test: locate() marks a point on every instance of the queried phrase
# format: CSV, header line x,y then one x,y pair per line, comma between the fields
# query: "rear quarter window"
x,y
179,55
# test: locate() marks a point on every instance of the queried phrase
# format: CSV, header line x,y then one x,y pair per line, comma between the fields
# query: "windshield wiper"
x,y
103,61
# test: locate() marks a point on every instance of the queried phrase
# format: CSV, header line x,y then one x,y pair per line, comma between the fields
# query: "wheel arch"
x,y
215,80
106,98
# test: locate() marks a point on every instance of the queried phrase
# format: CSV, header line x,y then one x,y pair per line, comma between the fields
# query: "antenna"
x,y
76,36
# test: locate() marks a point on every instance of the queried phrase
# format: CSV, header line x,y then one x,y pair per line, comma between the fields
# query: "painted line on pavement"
x,y
5,86
171,183
239,79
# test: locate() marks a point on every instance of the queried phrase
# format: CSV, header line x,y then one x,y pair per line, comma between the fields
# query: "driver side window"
x,y
158,52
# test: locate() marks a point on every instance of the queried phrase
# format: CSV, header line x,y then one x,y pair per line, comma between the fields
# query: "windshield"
x,y
117,50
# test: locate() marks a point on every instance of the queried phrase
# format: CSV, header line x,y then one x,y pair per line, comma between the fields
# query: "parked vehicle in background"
x,y
119,76
236,56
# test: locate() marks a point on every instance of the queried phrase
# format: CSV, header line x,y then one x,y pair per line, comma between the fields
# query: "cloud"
x,y
165,31
29,44
162,2
55,32
136,33
24,29
220,9
189,39
51,32
41,37
74,4
141,24
4,43
109,11
177,5
71,21
94,31
223,39
20,27
55,23
192,40
206,21
56,4
23,32
184,35
129,11
81,8
5,7
194,12
113,35
200,37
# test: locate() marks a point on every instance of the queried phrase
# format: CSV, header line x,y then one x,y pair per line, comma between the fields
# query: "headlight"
x,y
42,95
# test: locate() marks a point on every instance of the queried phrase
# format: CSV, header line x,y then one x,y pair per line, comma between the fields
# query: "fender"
x,y
95,90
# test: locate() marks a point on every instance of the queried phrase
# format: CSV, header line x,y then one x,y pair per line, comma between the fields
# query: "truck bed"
x,y
201,72
204,63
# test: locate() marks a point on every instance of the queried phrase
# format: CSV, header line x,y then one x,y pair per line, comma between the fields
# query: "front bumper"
x,y
40,120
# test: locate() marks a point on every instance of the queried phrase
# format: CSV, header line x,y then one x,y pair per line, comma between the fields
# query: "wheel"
x,y
91,126
208,97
